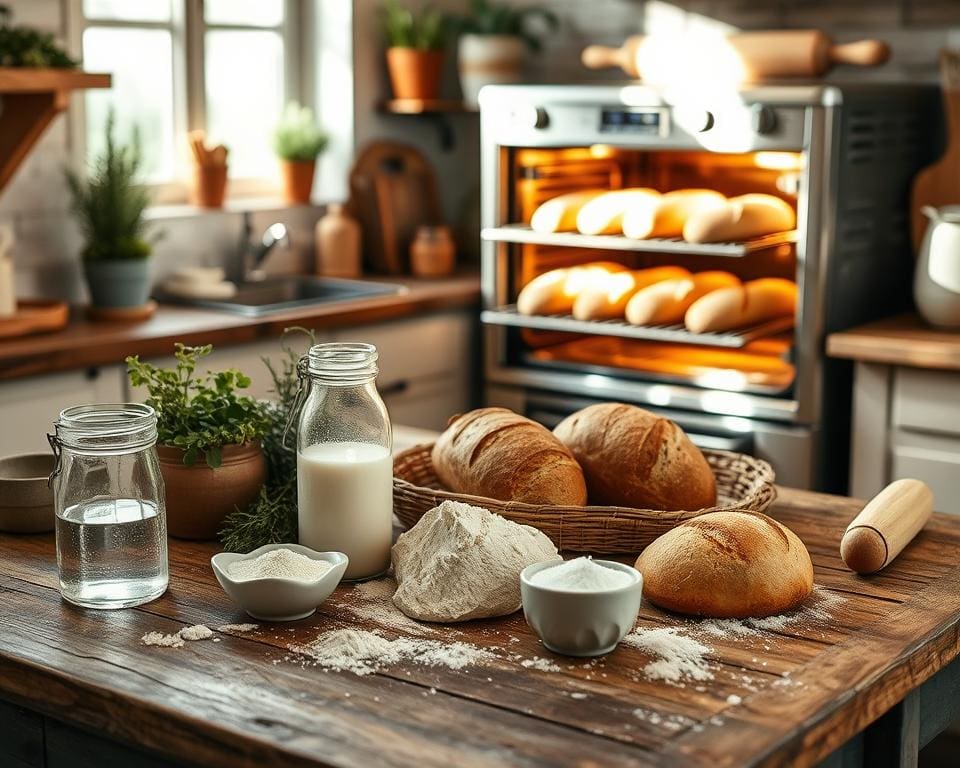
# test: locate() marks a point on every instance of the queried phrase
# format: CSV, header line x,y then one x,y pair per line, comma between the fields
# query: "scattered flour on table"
x,y
543,665
669,722
362,652
816,611
677,657
372,601
279,563
237,628
175,640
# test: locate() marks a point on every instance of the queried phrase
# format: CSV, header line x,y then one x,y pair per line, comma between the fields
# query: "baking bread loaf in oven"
x,y
500,454
740,218
606,298
727,565
603,214
668,216
666,302
634,458
554,292
559,214
756,301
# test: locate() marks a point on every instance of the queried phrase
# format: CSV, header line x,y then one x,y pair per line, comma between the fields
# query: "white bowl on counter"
x,y
278,598
580,623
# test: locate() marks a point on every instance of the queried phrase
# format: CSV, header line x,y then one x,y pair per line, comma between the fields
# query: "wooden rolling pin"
x,y
886,525
765,55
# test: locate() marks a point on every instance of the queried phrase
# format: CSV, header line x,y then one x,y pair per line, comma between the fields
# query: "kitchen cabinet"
x,y
906,407
30,406
426,365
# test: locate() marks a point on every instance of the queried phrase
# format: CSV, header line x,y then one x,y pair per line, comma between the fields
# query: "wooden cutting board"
x,y
939,184
35,316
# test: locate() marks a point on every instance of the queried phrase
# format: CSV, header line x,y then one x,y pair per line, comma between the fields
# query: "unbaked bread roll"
x,y
499,454
554,292
667,217
603,214
607,298
559,214
741,218
727,565
757,301
634,458
666,302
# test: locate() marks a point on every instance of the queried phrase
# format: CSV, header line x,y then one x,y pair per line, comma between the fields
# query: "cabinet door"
x,y
934,459
29,407
426,366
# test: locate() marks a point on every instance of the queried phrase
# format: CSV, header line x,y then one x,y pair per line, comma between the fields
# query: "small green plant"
x,y
425,31
26,47
109,204
201,414
297,136
488,18
272,518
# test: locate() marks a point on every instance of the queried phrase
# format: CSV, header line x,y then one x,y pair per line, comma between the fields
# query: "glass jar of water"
x,y
110,520
344,458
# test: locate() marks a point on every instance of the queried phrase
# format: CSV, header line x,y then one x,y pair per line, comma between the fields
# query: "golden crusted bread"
x,y
634,458
497,453
727,565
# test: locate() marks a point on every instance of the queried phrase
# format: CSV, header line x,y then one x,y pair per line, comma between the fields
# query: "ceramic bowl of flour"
x,y
273,585
581,617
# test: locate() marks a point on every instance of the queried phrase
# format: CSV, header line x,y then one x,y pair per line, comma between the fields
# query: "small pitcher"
x,y
936,282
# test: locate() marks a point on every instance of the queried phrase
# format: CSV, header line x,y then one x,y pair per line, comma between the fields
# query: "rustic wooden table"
x,y
864,676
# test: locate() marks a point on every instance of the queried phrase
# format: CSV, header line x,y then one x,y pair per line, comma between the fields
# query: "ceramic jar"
x,y
936,283
432,252
337,241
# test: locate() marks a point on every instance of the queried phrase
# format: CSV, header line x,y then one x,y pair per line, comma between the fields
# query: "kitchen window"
x,y
224,66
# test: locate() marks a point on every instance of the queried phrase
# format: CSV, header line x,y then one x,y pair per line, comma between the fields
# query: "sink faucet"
x,y
253,254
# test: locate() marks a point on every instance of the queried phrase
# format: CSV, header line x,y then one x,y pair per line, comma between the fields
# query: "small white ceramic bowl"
x,y
279,599
581,623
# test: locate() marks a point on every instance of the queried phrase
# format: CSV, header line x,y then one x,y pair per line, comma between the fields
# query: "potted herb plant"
x,y
208,440
494,39
415,44
109,206
298,141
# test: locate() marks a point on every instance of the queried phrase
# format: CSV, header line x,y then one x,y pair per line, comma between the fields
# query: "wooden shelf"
x,y
427,107
31,98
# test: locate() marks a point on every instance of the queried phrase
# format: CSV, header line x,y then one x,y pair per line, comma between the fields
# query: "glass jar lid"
x,y
342,362
107,427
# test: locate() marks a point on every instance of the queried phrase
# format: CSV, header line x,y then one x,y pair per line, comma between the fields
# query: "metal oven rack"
x,y
509,316
522,234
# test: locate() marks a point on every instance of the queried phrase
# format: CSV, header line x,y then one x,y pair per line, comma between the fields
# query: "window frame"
x,y
188,28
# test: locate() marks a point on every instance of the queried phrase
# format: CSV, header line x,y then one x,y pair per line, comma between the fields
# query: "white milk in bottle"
x,y
344,459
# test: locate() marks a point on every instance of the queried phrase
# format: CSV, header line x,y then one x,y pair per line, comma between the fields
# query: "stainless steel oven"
x,y
842,157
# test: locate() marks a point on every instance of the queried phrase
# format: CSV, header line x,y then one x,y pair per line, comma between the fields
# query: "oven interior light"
x,y
601,151
727,403
778,161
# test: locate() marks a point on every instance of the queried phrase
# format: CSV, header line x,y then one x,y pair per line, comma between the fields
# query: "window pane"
x,y
256,13
244,83
141,61
140,10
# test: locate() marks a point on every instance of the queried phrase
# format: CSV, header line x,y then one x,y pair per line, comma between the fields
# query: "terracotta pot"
x,y
199,498
297,180
209,185
415,74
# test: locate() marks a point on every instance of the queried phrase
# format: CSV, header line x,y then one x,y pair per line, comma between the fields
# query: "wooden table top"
x,y
789,696
900,340
86,343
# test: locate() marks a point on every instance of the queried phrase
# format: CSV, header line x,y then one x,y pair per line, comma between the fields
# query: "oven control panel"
x,y
635,120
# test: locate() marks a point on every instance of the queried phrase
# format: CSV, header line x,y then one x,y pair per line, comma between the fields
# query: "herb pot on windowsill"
x,y
198,498
297,180
415,73
118,283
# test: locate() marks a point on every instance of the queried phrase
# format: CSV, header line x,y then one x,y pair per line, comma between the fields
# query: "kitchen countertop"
x,y
900,340
85,343
875,653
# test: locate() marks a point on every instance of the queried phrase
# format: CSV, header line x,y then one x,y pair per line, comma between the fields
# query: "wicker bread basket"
x,y
743,483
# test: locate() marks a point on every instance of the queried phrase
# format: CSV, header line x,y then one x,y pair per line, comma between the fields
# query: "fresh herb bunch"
x,y
25,47
488,18
109,204
199,414
297,136
272,518
425,31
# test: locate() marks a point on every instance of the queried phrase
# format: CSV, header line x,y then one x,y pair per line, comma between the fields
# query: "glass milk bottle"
x,y
108,496
344,459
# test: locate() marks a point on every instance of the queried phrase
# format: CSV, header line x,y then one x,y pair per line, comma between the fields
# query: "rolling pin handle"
x,y
601,57
862,53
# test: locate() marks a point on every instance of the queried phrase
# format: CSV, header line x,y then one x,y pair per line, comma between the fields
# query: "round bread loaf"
x,y
634,458
727,565
499,454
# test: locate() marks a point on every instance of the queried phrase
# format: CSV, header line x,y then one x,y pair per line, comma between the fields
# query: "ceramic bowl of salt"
x,y
279,582
581,607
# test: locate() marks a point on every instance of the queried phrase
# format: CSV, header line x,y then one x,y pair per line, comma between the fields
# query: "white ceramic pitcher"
x,y
936,282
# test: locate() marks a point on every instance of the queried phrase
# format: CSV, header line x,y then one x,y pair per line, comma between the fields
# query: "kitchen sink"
x,y
278,294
